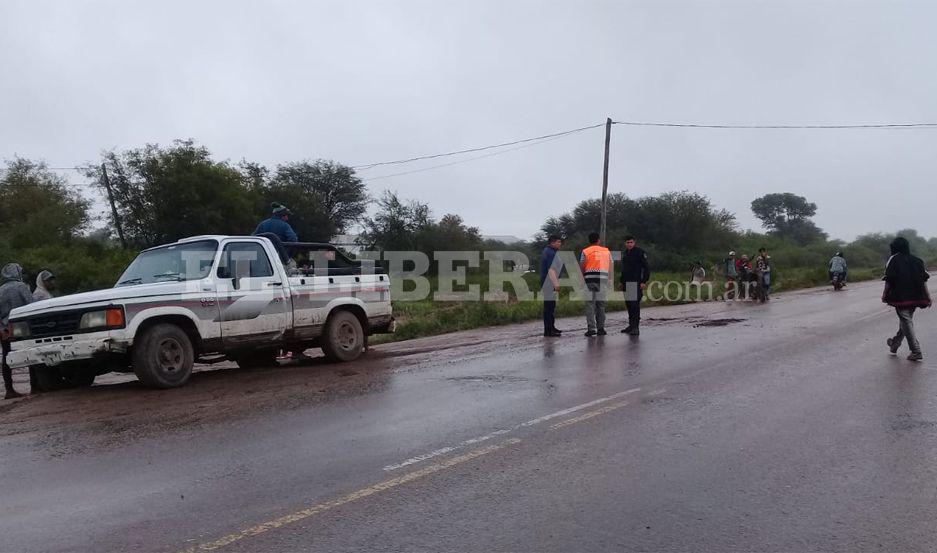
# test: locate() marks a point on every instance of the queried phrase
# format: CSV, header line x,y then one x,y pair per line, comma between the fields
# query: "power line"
x,y
492,154
729,126
478,149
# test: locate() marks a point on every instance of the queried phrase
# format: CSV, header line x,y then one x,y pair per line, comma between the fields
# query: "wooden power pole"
x,y
608,138
110,198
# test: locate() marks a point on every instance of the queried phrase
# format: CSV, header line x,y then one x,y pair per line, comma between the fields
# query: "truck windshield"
x,y
178,262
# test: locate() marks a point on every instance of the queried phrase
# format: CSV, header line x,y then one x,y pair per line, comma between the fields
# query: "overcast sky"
x,y
361,82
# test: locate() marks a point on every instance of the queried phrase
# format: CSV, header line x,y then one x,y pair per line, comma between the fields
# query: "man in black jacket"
x,y
635,274
905,290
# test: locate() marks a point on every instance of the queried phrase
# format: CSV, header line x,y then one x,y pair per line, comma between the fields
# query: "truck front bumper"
x,y
62,349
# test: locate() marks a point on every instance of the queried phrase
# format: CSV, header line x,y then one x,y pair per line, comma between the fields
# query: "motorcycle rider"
x,y
838,265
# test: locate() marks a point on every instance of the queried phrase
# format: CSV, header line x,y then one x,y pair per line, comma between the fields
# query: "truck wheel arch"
x,y
185,323
353,308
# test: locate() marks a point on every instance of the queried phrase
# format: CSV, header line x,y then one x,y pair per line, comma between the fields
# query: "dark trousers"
x,y
633,305
7,371
549,317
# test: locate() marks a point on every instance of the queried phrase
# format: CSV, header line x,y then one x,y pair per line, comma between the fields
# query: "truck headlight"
x,y
19,330
112,317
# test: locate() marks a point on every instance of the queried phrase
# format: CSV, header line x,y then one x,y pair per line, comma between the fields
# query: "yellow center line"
x,y
354,496
589,415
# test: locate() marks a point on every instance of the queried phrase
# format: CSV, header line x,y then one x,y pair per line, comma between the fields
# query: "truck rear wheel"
x,y
344,337
163,356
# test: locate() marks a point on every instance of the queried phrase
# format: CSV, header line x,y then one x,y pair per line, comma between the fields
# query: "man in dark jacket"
x,y
635,273
278,224
13,293
905,290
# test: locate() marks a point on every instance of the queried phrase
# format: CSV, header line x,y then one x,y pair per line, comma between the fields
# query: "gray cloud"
x,y
368,81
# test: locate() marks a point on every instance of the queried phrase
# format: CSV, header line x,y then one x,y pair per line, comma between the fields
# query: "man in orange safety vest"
x,y
596,264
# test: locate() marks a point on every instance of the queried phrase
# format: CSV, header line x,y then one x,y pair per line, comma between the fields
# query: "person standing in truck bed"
x,y
278,223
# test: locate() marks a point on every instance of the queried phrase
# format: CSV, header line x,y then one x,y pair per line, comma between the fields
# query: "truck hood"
x,y
105,297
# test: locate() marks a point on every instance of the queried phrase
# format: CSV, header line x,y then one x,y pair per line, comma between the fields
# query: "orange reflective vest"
x,y
596,263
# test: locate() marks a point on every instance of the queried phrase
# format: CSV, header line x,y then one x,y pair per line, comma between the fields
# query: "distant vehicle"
x,y
206,299
837,281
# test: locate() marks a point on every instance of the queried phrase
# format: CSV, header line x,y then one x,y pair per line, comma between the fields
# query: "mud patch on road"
x,y
717,322
696,322
487,378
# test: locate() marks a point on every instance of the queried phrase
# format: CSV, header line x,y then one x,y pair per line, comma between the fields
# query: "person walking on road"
x,y
13,293
635,274
45,283
278,223
596,265
905,290
550,285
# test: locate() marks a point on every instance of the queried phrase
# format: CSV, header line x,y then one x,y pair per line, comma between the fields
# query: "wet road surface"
x,y
724,427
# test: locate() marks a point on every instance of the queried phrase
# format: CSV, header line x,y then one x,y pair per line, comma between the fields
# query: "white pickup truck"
x,y
205,299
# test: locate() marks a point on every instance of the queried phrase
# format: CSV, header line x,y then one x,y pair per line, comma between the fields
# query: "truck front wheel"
x,y
163,356
344,337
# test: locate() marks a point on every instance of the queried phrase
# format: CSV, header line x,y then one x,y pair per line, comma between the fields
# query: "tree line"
x,y
163,193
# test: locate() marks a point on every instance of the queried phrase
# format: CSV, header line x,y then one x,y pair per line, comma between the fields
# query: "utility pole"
x,y
110,198
608,138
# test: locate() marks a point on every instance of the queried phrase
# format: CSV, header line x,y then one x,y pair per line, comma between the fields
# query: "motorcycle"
x,y
838,281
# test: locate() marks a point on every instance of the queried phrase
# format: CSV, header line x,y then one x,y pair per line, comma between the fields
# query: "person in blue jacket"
x,y
278,223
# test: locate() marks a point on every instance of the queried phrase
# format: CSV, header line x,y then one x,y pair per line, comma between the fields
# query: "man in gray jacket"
x,y
13,293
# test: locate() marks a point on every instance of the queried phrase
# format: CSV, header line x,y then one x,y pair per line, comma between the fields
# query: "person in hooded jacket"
x,y
905,290
13,293
45,283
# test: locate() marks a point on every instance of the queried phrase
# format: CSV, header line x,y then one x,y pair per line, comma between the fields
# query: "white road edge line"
x,y
496,433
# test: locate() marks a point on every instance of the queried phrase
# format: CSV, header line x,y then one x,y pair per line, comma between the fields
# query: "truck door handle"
x,y
274,284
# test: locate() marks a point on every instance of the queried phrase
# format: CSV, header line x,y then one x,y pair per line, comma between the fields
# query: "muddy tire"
x,y
163,356
257,359
344,339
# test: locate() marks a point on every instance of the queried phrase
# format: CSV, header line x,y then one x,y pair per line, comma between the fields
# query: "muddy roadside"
x,y
118,409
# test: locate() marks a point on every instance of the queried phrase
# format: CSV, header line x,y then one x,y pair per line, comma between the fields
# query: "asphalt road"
x,y
724,427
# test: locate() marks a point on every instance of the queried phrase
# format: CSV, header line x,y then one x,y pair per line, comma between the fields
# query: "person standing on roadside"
x,y
763,270
732,275
635,273
13,293
550,285
45,284
905,290
596,264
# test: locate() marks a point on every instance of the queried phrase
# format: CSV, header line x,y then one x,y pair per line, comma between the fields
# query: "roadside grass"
x,y
429,317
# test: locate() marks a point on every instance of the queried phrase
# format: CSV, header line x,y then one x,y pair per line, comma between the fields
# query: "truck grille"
x,y
54,325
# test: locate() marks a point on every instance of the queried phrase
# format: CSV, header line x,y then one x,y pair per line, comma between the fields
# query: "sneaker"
x,y
601,332
893,345
551,334
591,333
626,330
12,394
557,330
915,356
633,332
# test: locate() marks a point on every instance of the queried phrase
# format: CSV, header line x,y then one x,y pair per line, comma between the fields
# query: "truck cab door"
x,y
253,297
